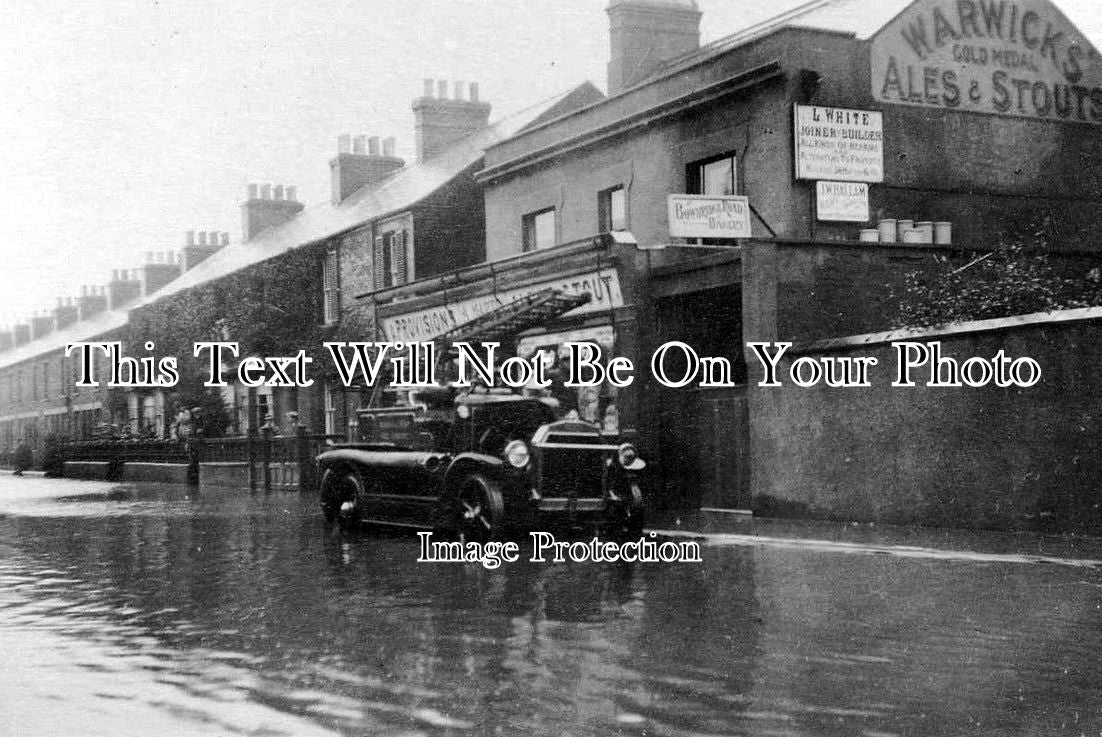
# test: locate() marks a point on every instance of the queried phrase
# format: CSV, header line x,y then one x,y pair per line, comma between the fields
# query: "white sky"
x,y
125,123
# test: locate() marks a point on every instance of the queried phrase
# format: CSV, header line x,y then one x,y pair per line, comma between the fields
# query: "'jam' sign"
x,y
1013,57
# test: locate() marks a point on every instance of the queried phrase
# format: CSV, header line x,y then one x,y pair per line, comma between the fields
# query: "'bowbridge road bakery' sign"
x,y
1012,57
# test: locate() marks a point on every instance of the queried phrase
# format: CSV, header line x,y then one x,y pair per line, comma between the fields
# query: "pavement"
x,y
739,528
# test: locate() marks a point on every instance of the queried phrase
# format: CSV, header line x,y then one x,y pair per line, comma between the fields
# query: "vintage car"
x,y
482,465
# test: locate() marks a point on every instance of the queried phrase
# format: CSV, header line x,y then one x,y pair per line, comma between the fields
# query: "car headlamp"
x,y
627,455
516,452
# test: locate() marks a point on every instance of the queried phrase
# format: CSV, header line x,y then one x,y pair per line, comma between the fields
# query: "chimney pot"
x,y
191,237
277,193
291,194
149,257
265,191
373,145
358,145
442,89
84,290
202,237
429,84
344,144
473,87
457,90
254,191
388,147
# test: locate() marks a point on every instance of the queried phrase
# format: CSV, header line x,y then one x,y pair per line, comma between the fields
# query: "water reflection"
x,y
137,610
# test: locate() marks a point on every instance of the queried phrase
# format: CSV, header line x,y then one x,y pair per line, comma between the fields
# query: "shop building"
x,y
984,115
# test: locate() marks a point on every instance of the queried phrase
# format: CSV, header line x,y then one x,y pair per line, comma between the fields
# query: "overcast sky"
x,y
125,123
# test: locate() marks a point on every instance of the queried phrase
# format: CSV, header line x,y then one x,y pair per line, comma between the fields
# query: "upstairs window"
x,y
716,176
539,229
331,293
612,210
391,258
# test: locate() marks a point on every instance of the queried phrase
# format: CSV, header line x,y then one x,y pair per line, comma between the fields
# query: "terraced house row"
x,y
869,139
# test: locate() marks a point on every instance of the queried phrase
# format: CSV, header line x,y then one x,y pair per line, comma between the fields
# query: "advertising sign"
x,y
1021,58
842,201
839,144
603,286
708,216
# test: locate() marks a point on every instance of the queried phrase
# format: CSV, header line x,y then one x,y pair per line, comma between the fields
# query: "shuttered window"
x,y
398,258
331,288
391,259
379,263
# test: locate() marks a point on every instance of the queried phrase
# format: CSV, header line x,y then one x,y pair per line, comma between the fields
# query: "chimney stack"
x,y
66,313
7,340
644,34
261,212
123,289
158,271
209,242
366,163
440,121
22,333
41,324
92,301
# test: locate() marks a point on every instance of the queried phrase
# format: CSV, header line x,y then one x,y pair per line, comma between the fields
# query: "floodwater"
x,y
156,610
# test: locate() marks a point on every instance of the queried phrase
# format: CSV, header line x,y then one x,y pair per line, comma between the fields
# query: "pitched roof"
x,y
56,341
399,191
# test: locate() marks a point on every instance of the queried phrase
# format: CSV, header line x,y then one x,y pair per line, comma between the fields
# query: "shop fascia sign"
x,y
1021,58
708,216
838,144
421,325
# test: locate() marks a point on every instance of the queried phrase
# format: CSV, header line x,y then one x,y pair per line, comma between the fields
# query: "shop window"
x,y
612,210
715,176
391,259
331,293
539,229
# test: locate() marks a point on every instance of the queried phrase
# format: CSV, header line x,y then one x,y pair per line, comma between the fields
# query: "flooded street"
x,y
143,610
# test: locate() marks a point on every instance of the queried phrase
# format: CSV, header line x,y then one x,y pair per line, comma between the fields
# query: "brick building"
x,y
989,119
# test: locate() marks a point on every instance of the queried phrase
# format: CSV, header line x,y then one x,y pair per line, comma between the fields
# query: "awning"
x,y
509,320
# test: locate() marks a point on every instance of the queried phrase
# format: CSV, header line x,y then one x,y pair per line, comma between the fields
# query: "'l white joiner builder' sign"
x,y
839,144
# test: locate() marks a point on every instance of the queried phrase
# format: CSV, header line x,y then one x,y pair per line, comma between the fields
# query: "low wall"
x,y
985,457
235,475
230,474
173,473
92,470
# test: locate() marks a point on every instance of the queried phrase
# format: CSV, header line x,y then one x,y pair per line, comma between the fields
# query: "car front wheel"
x,y
342,493
480,511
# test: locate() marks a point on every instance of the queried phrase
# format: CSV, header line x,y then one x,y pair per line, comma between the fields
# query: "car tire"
x,y
339,487
480,511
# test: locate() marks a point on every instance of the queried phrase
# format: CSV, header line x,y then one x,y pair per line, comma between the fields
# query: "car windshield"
x,y
496,423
